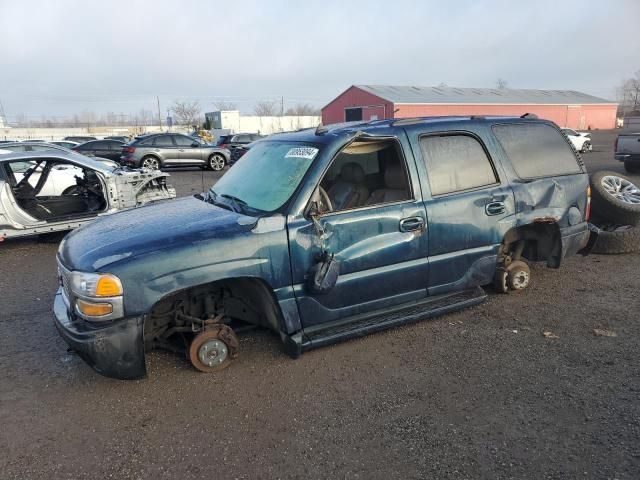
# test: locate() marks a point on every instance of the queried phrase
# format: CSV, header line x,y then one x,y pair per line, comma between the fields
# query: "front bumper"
x,y
115,350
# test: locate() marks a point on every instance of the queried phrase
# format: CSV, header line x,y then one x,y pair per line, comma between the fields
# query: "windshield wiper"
x,y
237,202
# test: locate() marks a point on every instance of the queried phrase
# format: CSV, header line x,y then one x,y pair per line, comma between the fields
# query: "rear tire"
x,y
150,162
586,147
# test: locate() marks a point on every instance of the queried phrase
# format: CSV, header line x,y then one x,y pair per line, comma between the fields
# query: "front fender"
x,y
150,277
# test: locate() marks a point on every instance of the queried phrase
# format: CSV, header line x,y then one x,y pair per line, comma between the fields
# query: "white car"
x,y
56,190
581,141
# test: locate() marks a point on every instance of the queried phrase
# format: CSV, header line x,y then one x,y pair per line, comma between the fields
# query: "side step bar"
x,y
361,325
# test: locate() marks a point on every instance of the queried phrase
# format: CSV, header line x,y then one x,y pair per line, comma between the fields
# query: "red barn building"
x,y
567,108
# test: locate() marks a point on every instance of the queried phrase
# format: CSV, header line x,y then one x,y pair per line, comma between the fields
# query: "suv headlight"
x,y
99,295
95,284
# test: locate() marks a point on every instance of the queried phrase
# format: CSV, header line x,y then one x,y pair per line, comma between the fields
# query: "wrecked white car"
x,y
56,190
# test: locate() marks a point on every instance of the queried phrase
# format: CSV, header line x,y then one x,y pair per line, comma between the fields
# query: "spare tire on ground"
x,y
616,239
615,198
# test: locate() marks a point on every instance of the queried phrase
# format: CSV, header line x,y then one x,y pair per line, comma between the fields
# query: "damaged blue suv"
x,y
323,235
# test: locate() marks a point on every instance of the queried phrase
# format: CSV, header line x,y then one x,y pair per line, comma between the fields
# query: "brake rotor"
x,y
214,348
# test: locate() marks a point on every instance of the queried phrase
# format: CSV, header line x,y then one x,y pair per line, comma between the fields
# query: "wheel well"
x,y
244,299
536,242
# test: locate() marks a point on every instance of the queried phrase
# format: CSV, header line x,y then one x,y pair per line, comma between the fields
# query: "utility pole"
x,y
159,117
282,106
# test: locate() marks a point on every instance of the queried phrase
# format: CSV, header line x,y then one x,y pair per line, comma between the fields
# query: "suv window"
x,y
537,150
365,173
184,141
241,139
455,163
95,146
163,141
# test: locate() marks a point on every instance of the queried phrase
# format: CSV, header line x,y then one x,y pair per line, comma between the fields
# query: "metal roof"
x,y
479,96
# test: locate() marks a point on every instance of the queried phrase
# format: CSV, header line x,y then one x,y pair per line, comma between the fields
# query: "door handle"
x,y
495,208
412,224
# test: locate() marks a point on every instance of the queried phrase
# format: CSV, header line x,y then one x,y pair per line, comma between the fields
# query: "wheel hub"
x,y
621,189
213,352
520,280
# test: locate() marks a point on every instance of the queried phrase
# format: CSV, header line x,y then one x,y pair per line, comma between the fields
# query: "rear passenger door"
x,y
469,204
168,150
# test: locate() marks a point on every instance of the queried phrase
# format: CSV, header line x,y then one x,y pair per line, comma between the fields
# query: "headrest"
x,y
352,172
394,178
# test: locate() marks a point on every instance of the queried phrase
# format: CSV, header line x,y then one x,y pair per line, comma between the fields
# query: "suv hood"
x,y
115,237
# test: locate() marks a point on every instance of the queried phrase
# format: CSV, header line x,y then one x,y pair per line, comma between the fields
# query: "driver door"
x,y
380,242
187,152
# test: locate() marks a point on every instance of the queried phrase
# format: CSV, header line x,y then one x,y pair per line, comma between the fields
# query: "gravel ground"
x,y
477,394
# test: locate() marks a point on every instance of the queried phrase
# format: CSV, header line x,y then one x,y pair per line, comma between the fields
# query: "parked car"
x,y
120,138
173,149
580,141
239,151
65,143
627,150
35,146
237,140
57,190
326,235
111,149
80,138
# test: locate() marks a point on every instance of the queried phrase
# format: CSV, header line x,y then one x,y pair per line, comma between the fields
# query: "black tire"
x,y
216,162
632,167
606,206
613,240
150,160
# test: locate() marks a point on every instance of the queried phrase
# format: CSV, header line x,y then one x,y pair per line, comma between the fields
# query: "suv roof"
x,y
320,133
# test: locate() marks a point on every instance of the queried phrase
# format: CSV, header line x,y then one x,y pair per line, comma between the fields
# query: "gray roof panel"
x,y
449,95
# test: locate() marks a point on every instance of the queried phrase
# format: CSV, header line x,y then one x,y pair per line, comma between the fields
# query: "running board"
x,y
361,325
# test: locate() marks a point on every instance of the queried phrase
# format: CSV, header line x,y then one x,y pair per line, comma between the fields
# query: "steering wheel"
x,y
324,196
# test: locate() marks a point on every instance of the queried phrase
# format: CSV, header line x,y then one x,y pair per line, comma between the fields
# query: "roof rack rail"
x,y
529,115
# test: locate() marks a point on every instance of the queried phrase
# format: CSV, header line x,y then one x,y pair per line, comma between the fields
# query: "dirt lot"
x,y
477,394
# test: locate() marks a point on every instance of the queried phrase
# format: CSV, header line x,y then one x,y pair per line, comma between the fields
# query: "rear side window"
x,y
163,141
537,150
455,163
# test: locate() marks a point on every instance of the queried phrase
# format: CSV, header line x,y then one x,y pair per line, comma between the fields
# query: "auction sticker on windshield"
x,y
302,152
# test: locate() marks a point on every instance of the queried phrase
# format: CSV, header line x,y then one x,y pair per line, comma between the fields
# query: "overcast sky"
x,y
62,57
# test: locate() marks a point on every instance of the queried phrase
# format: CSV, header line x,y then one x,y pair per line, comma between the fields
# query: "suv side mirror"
x,y
195,144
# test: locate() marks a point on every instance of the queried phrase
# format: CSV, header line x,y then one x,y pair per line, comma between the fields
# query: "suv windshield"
x,y
266,177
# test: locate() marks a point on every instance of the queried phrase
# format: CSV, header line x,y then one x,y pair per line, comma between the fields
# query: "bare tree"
x,y
501,84
223,105
186,113
302,109
266,108
628,93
